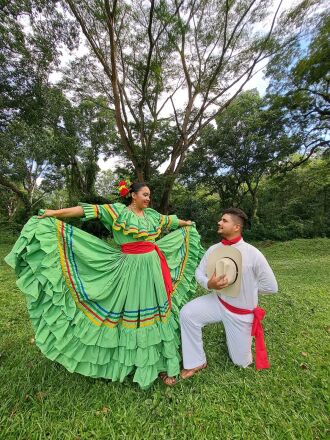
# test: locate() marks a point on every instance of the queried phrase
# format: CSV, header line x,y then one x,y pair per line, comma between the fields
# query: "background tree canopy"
x,y
162,86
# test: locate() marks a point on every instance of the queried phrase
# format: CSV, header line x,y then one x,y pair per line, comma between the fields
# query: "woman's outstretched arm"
x,y
75,211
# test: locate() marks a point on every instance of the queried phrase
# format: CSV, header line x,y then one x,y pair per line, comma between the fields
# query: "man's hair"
x,y
239,215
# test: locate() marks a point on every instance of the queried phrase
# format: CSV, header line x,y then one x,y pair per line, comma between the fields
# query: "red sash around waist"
x,y
143,247
257,331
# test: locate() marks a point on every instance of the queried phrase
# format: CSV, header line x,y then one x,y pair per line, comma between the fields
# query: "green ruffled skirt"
x,y
99,312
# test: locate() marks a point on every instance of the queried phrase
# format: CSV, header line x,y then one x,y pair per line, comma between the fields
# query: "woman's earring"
x,y
134,204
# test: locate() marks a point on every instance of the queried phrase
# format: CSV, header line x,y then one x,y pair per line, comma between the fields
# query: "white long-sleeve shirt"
x,y
257,276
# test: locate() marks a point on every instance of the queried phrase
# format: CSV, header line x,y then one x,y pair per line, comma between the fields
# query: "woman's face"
x,y
142,197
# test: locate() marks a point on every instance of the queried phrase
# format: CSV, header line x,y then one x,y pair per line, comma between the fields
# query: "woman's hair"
x,y
136,186
133,188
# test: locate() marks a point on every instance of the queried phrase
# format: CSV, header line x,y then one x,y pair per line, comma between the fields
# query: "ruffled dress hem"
x,y
66,328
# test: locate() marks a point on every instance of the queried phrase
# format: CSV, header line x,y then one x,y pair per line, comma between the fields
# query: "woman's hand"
x,y
185,223
47,213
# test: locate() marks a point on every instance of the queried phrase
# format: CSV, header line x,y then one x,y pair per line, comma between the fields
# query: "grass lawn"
x,y
39,399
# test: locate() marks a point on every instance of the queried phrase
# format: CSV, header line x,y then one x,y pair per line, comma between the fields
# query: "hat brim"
x,y
226,252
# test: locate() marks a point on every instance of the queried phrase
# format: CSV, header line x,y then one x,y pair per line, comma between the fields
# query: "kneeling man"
x,y
234,272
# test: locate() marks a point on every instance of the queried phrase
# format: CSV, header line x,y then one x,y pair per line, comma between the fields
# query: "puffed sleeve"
x,y
106,213
169,222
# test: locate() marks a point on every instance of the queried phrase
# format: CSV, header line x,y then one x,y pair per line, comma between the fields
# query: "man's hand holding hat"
x,y
217,283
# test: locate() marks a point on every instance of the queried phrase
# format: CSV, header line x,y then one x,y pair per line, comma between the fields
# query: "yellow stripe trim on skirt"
x,y
67,281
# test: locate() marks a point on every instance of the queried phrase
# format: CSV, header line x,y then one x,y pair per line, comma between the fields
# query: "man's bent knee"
x,y
185,313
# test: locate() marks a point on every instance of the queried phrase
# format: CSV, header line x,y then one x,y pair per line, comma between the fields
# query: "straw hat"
x,y
226,260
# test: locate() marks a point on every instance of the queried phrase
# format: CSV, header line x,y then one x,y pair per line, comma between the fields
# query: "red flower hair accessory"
x,y
123,188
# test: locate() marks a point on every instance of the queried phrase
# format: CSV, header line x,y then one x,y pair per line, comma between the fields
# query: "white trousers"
x,y
207,310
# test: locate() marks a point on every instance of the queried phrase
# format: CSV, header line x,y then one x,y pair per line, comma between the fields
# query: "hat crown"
x,y
226,266
226,260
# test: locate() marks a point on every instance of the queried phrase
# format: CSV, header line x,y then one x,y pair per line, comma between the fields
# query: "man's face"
x,y
227,226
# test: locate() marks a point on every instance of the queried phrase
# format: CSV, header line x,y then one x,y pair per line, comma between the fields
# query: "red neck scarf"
x,y
232,241
257,332
143,247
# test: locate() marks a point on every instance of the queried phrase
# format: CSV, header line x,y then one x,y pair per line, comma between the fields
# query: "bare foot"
x,y
169,381
185,373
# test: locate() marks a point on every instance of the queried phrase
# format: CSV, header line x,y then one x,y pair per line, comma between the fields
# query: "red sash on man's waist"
x,y
257,332
143,247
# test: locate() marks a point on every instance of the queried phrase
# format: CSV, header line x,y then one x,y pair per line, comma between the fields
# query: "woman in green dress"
x,y
105,311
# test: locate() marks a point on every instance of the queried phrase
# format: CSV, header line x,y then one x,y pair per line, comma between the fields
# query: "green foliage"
x,y
197,205
86,134
295,204
42,134
30,48
299,88
291,205
196,48
232,158
248,158
107,184
29,106
173,64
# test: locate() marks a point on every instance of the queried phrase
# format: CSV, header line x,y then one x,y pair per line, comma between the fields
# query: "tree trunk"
x,y
90,177
165,198
255,205
139,174
22,195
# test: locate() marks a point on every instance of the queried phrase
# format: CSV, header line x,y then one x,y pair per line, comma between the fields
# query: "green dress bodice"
x,y
126,225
